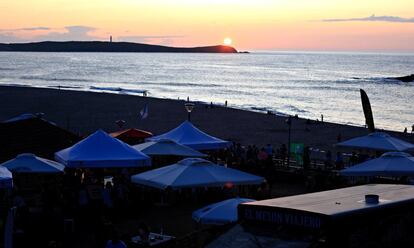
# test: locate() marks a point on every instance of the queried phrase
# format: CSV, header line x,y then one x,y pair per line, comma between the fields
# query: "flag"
x,y
144,112
366,106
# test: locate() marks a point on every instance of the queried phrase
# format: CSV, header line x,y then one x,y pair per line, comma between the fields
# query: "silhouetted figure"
x,y
339,138
354,159
143,232
328,159
321,117
283,152
412,128
405,130
339,161
306,158
225,104
115,241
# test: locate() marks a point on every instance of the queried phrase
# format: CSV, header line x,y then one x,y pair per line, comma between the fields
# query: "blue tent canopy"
x,y
391,164
29,163
378,141
187,134
6,178
219,213
167,147
99,150
193,173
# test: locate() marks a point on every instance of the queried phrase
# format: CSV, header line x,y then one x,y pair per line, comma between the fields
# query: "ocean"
x,y
309,84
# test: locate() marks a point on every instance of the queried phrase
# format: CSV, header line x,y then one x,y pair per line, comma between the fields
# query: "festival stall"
x,y
189,135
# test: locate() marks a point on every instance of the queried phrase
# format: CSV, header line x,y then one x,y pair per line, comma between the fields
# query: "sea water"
x,y
309,84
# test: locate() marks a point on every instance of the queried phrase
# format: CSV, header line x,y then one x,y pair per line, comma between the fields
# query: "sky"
x,y
327,25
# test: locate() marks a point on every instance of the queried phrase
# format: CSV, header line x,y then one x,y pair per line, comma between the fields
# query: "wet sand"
x,y
85,112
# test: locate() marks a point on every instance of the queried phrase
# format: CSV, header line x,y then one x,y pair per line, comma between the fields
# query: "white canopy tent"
x,y
187,134
167,148
392,164
378,141
100,150
192,173
29,163
219,213
6,178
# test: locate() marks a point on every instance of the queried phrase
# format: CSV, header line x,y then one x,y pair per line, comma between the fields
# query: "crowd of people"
x,y
87,200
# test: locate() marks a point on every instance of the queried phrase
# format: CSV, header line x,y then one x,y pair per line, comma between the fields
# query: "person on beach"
x,y
405,130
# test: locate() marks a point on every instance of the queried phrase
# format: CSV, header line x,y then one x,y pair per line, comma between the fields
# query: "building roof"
x,y
340,201
33,135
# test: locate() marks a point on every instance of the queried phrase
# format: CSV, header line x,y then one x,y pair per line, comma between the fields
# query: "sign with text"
x,y
280,216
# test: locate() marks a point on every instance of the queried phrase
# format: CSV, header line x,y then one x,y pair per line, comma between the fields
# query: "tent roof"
x,y
219,213
192,173
132,133
6,178
389,164
21,117
187,134
378,141
167,147
29,163
99,150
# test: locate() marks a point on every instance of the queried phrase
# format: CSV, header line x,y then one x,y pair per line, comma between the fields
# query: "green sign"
x,y
296,150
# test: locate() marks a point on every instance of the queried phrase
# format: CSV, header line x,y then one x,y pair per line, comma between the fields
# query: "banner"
x,y
366,106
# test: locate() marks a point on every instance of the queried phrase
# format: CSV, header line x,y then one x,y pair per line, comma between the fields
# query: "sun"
x,y
227,41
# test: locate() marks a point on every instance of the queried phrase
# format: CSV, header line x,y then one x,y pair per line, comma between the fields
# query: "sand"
x,y
84,112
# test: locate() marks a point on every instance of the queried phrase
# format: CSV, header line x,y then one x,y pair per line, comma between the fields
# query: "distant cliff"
x,y
100,46
405,79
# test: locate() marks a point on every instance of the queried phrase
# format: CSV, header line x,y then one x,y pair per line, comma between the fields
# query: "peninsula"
x,y
102,46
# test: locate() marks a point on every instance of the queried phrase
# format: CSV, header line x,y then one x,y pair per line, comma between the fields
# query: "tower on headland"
x,y
110,38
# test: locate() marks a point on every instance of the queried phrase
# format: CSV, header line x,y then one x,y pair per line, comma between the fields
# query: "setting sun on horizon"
x,y
227,41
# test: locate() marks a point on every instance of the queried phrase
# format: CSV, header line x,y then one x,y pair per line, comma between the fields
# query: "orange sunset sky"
x,y
251,24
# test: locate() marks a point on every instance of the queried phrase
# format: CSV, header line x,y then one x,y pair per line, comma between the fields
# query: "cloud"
x,y
25,29
56,34
77,32
70,33
374,18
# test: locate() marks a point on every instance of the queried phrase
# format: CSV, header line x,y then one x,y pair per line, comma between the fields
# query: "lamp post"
x,y
289,123
189,106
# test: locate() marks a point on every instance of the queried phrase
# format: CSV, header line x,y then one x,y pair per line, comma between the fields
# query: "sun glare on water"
x,y
227,41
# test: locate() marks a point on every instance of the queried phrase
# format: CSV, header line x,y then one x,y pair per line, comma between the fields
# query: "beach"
x,y
84,112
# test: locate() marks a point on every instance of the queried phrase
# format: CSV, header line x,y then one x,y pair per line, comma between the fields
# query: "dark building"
x,y
31,134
